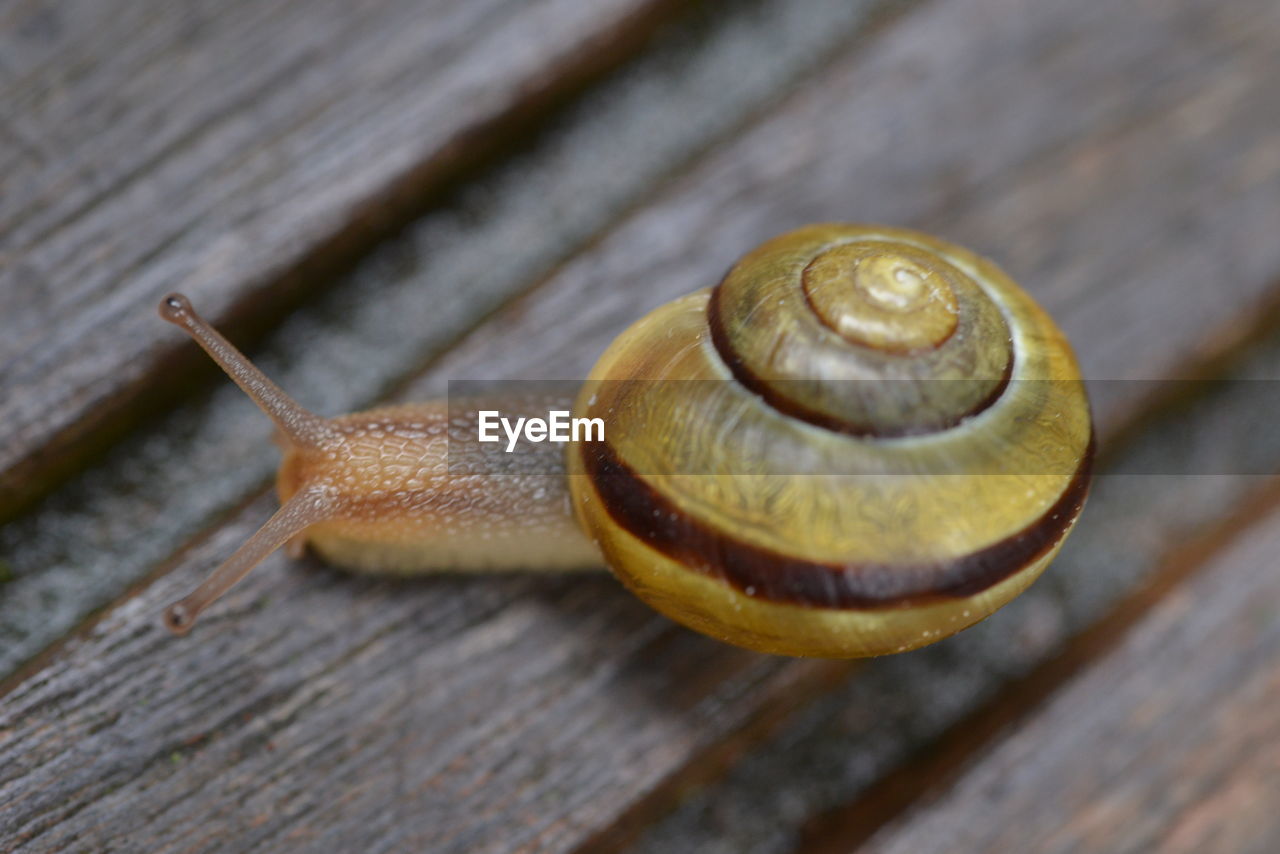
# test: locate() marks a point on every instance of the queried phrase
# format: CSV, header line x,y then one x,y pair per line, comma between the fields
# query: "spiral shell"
x,y
864,439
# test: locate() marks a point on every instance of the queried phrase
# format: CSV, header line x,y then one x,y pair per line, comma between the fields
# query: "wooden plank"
x,y
420,704
242,151
487,755
1099,152
1169,745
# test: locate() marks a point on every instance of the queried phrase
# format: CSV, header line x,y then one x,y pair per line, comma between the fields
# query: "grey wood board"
x,y
222,146
1113,177
402,723
1168,745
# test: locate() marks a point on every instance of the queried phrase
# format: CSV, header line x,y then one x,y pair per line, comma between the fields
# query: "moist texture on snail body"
x,y
862,440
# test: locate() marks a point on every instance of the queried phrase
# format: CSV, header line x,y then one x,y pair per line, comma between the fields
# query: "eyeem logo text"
x,y
558,426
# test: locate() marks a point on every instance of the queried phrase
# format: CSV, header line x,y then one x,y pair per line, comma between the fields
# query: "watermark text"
x,y
558,426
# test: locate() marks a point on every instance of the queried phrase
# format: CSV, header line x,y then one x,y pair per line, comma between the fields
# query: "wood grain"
x,y
575,705
1089,172
370,728
241,151
1169,745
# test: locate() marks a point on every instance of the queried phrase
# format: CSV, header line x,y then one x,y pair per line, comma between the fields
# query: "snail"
x,y
862,440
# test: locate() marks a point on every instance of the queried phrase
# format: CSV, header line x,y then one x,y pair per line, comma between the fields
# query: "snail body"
x,y
404,491
861,441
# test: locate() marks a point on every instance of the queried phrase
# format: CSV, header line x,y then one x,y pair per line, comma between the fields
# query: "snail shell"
x,y
864,439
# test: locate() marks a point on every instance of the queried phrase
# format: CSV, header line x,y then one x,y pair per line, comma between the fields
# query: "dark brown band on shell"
x,y
771,576
769,392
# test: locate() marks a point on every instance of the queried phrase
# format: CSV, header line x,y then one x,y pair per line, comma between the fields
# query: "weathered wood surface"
x,y
1171,744
575,705
239,150
1113,176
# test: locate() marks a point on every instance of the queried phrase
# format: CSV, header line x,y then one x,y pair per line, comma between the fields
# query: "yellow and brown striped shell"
x,y
862,440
